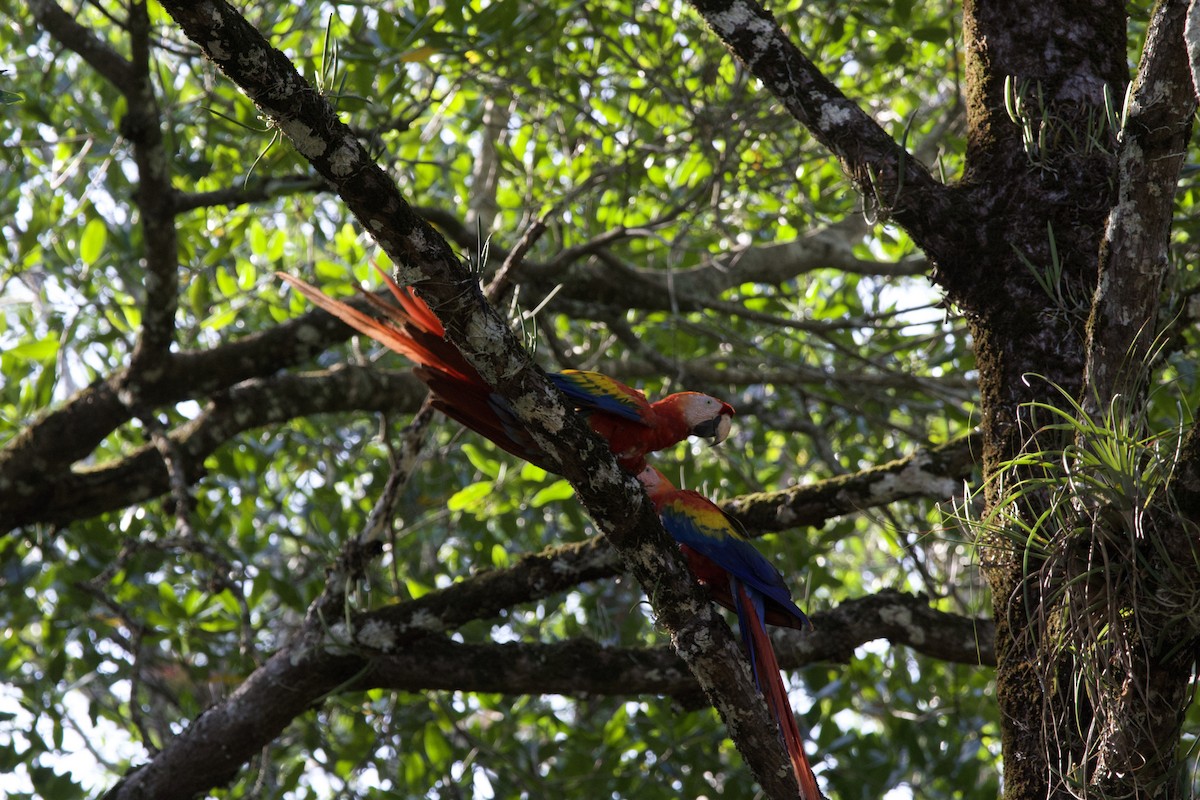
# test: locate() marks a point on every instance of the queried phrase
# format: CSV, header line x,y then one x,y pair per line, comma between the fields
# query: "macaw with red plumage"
x,y
741,579
621,415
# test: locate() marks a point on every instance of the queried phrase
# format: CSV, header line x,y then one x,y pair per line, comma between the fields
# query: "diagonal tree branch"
x,y
425,260
62,26
324,655
882,170
936,473
1124,324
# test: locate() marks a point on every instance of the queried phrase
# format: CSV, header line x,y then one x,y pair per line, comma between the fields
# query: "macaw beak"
x,y
716,428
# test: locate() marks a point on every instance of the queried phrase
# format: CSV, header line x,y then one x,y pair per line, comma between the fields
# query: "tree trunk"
x,y
1091,695
1054,247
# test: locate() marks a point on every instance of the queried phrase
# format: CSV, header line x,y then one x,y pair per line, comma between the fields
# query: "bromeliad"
x,y
740,578
630,424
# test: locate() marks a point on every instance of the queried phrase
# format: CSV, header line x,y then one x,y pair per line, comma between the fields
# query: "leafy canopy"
x,y
683,212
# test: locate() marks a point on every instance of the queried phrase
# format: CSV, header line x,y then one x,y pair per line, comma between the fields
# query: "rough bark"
x,y
1032,252
584,668
1146,653
1044,192
426,261
1124,324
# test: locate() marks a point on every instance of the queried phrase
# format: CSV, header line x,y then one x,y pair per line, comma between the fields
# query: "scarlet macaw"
x,y
740,578
621,415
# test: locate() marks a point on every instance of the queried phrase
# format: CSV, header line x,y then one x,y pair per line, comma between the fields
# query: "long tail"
x,y
766,675
412,330
478,408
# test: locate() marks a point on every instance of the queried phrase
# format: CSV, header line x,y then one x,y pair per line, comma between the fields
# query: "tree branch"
x,y
402,647
324,655
257,191
1123,326
44,450
142,125
883,171
612,282
62,26
592,275
142,475
582,667
425,260
936,473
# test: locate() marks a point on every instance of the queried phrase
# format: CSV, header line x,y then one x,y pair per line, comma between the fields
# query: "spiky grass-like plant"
x,y
1111,584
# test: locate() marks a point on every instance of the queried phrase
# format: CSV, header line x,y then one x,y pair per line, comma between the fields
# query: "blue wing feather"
x,y
713,535
594,391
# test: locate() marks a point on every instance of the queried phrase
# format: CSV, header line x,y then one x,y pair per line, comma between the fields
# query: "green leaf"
x,y
531,472
468,496
437,747
416,589
256,236
227,284
42,350
199,292
167,602
219,320
481,461
132,314
91,243
559,490
247,275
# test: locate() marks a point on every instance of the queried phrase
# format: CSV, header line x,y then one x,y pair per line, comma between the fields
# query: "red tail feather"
x,y
716,579
411,329
424,332
477,409
766,668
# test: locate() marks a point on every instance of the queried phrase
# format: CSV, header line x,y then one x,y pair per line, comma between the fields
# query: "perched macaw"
x,y
740,578
630,424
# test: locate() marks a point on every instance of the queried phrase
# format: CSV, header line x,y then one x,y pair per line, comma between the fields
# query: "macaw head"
x,y
655,482
706,417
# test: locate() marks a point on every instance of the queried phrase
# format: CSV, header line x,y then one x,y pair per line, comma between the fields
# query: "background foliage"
x,y
695,238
